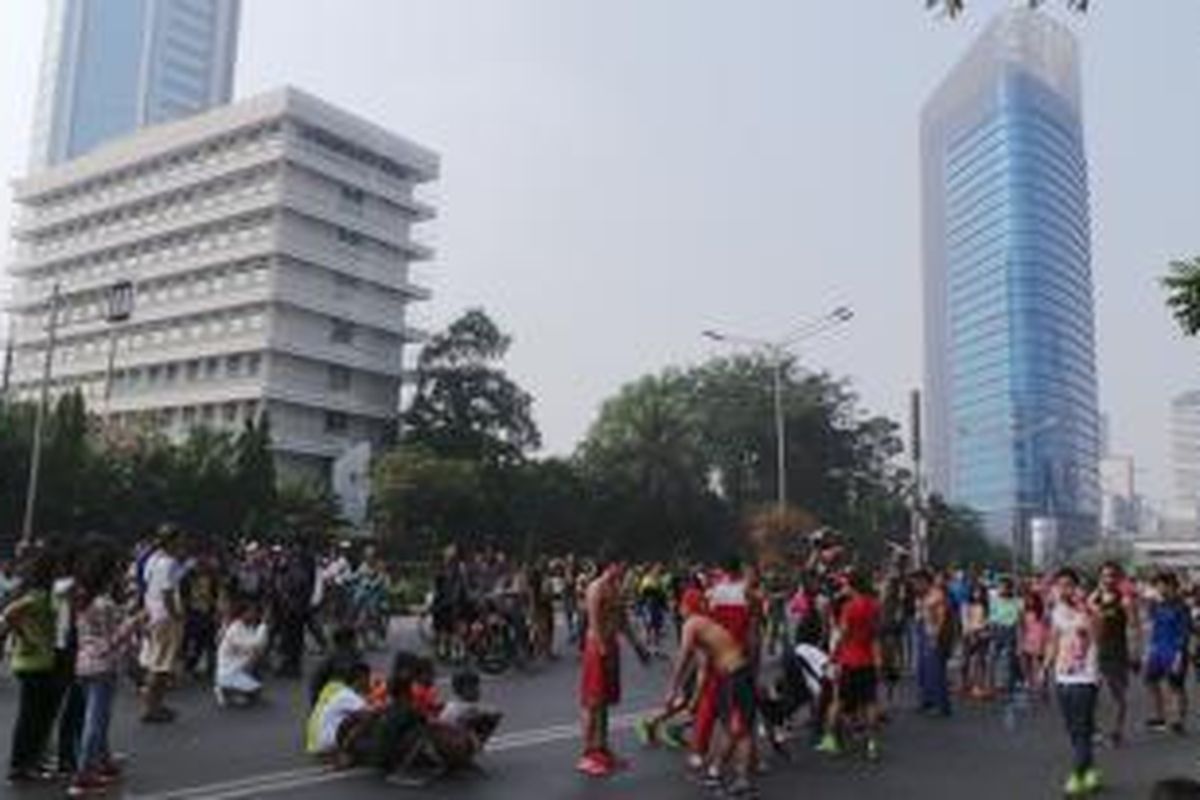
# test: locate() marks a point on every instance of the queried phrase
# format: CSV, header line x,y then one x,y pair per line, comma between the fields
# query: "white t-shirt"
x,y
240,647
1077,659
344,703
162,578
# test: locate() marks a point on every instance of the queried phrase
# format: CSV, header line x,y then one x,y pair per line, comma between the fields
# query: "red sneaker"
x,y
613,761
593,765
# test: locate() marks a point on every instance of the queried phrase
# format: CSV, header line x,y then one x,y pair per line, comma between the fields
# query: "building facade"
x,y
1121,505
1184,510
1010,379
268,246
110,67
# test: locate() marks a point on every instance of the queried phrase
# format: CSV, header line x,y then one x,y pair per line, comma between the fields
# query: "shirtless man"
x,y
705,638
933,643
600,678
1118,641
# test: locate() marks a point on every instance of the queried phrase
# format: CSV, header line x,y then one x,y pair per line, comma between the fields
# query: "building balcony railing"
x,y
33,221
239,206
352,174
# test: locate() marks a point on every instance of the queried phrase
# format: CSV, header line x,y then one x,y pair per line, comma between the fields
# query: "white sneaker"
x,y
218,693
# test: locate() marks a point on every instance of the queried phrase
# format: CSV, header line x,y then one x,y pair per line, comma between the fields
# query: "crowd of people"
x,y
807,647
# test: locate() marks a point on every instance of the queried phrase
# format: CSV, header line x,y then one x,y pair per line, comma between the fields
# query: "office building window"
x,y
233,366
336,422
349,237
341,332
339,378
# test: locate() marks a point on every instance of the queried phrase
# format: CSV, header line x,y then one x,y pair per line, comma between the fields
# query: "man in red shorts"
x,y
600,677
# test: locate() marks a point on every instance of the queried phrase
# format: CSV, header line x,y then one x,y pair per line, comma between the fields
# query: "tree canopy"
x,y
125,483
1183,294
465,406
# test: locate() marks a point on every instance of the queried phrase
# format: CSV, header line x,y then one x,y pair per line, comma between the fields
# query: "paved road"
x,y
255,753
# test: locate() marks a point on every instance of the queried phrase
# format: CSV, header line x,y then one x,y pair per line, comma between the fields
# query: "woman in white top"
x,y
243,645
1074,661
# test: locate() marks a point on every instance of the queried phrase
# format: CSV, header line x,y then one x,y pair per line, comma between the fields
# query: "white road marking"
x,y
272,782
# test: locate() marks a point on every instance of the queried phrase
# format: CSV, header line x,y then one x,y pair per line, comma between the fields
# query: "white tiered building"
x,y
268,244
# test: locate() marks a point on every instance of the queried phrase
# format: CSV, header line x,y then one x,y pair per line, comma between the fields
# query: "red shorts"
x,y
600,677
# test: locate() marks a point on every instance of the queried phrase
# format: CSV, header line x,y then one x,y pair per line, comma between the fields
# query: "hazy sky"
x,y
620,174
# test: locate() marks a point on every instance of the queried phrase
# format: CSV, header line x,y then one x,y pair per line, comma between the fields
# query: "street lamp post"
x,y
39,420
777,351
120,309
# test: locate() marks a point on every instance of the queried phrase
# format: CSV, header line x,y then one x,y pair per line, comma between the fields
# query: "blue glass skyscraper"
x,y
110,67
1010,379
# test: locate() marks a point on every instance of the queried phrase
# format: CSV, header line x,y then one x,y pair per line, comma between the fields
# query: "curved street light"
x,y
777,351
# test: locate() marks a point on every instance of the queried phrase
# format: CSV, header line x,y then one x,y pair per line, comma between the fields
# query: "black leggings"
x,y
37,709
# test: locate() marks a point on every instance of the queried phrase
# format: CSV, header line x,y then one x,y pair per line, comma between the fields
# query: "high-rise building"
x,y
1010,379
267,245
1184,512
110,67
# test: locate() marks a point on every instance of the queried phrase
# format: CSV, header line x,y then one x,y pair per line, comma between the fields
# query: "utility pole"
x,y
35,459
780,437
920,532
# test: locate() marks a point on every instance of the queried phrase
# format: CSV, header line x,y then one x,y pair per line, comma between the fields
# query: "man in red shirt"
x,y
857,658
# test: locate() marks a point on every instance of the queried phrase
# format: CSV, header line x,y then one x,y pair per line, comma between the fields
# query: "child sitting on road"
x,y
343,655
466,712
426,698
341,726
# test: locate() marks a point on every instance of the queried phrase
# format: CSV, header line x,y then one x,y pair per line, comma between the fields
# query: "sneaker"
x,y
84,784
829,745
741,786
872,750
219,696
1092,780
1156,725
1074,786
694,762
593,766
711,780
1178,729
673,737
613,761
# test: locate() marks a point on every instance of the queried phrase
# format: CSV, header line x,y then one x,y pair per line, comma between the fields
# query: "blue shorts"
x,y
1166,665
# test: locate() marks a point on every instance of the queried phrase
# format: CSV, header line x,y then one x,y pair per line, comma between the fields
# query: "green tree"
x,y
645,451
1183,294
306,510
421,499
956,537
465,406
254,475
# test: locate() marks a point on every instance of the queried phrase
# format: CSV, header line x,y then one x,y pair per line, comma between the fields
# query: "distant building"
x,y
1121,506
1185,449
110,67
1010,377
268,244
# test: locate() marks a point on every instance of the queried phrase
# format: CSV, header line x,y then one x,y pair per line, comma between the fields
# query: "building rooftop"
x,y
167,138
